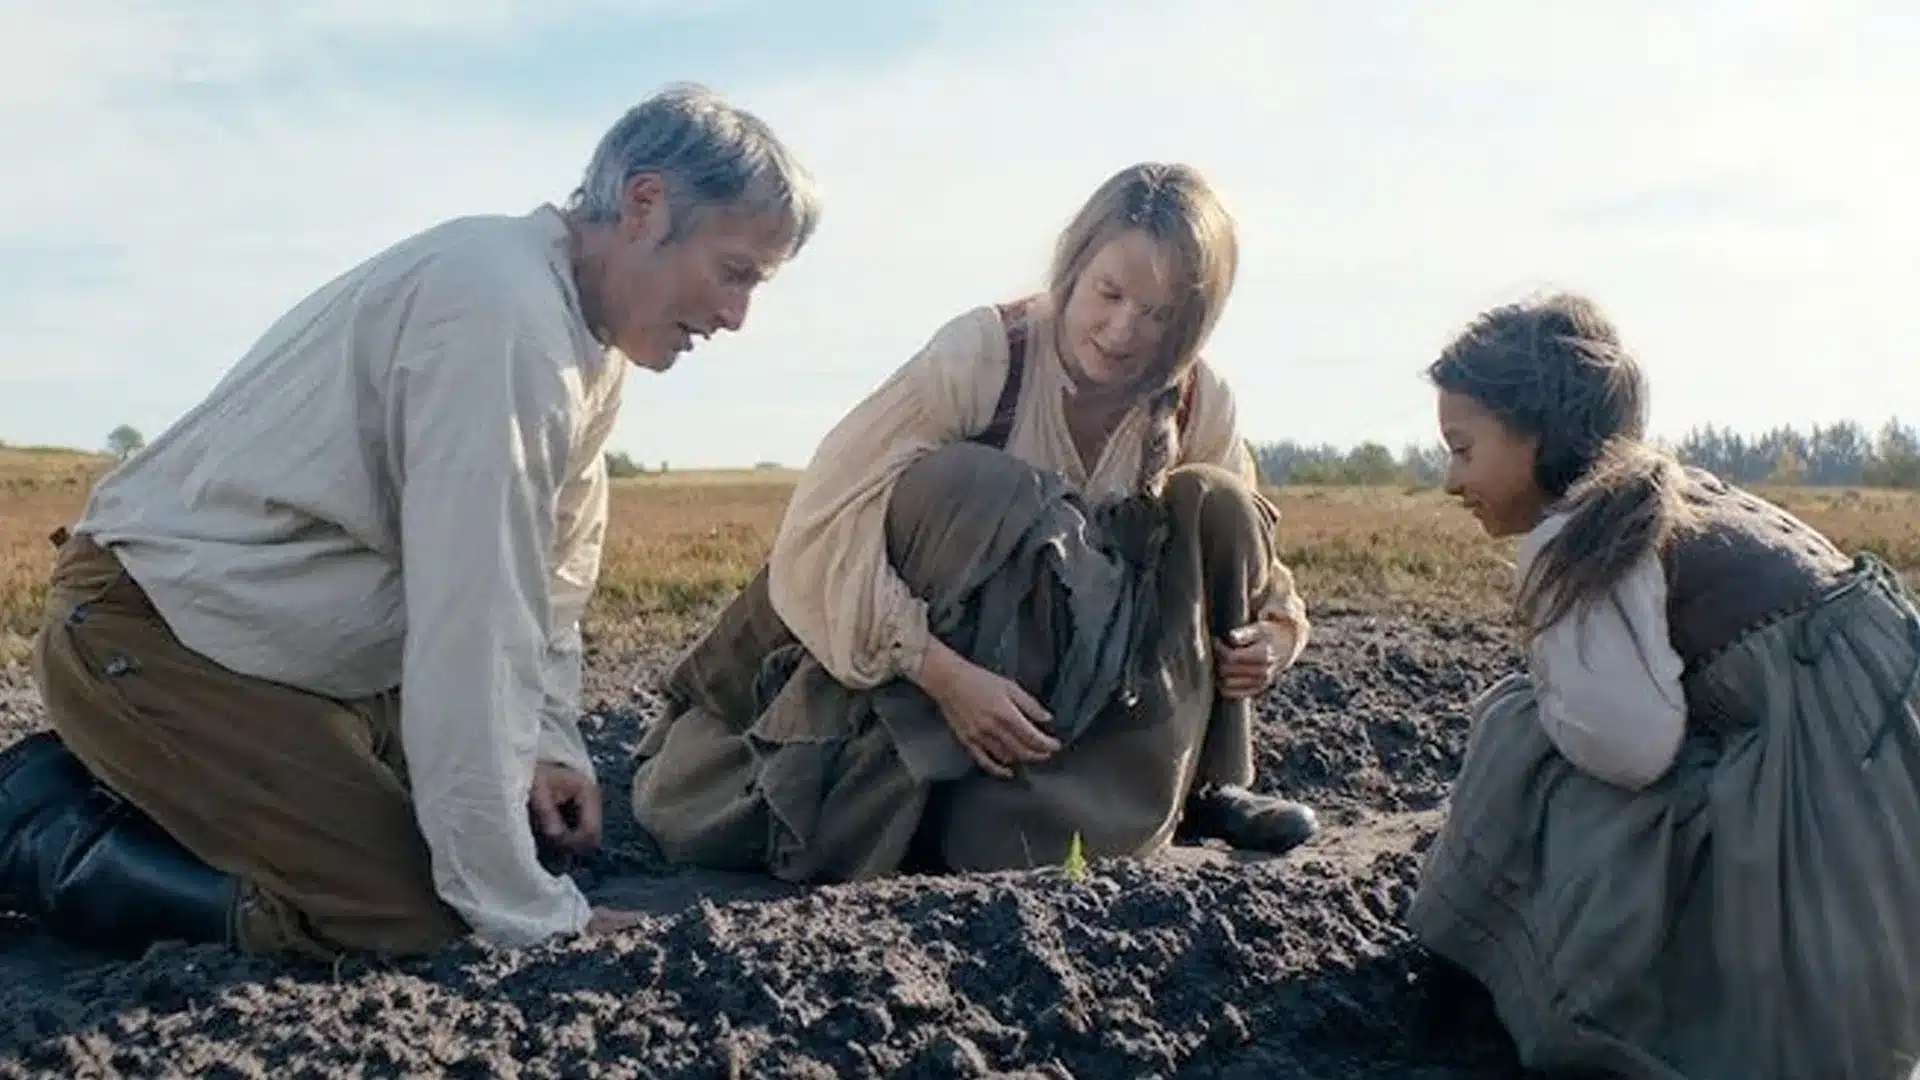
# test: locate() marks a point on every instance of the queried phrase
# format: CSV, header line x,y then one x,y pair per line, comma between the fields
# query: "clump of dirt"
x,y
1373,717
1202,964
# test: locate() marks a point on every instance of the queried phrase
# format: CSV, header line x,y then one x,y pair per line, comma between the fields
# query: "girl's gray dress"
x,y
1755,912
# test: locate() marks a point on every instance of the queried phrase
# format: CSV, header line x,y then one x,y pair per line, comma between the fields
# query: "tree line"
x,y
1844,454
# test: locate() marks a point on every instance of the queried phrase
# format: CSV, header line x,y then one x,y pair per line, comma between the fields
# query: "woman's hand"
x,y
1250,658
998,722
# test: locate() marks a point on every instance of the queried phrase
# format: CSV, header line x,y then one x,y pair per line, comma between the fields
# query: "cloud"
x,y
1726,177
1393,173
99,48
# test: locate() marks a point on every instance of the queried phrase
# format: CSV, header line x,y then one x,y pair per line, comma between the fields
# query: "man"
x,y
312,659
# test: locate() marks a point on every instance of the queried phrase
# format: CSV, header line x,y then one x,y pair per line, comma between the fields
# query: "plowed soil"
x,y
1200,964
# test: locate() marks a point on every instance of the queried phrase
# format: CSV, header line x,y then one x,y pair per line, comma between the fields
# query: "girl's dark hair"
x,y
1553,367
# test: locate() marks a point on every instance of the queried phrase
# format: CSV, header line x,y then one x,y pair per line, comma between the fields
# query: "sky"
x,y
1734,180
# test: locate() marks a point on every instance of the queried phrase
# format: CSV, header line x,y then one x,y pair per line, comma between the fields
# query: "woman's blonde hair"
x,y
1185,217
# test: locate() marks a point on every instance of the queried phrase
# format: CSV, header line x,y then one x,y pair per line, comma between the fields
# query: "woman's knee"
x,y
956,478
950,502
1222,507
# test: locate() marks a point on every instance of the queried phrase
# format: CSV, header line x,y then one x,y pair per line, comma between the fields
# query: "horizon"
x,y
1871,436
184,171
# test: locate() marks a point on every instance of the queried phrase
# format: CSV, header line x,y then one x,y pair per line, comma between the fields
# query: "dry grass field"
x,y
682,542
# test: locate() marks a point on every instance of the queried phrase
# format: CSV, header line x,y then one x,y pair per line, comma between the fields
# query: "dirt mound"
x,y
1202,964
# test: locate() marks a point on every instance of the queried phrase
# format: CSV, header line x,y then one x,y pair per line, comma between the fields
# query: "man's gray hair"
x,y
710,153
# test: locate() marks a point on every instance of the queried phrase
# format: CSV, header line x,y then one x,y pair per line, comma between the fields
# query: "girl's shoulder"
x,y
1537,538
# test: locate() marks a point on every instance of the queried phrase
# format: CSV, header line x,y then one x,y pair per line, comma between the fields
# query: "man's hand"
x,y
612,920
565,807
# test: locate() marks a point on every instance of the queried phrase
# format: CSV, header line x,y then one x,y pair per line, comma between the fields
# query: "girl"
x,y
1095,385
1686,843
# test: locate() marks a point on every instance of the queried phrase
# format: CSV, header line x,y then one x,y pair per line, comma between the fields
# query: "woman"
x,y
1686,843
1096,394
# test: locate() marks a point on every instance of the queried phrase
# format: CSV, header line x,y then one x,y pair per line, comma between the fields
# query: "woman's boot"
x,y
1247,820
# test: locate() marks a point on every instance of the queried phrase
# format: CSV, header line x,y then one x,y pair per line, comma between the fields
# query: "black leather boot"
x,y
95,871
1247,820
